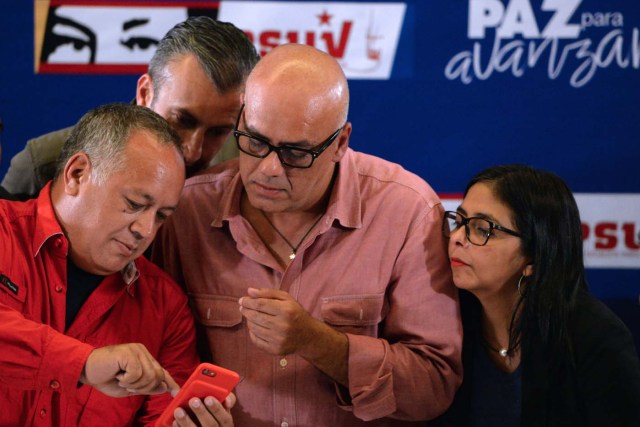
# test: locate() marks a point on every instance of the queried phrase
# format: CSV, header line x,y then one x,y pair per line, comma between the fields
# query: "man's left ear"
x,y
342,142
76,172
144,91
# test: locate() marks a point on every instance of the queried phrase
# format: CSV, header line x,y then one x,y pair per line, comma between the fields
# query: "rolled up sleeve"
x,y
413,369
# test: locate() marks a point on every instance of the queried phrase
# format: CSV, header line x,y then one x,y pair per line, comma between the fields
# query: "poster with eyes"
x,y
98,36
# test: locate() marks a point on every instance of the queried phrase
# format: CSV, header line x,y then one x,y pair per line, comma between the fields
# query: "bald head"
x,y
307,79
295,98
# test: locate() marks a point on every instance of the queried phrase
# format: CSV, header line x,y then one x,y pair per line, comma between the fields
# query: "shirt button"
x,y
283,363
58,243
284,424
54,384
43,412
59,288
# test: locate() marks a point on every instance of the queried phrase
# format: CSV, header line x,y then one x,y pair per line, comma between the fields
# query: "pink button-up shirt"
x,y
374,268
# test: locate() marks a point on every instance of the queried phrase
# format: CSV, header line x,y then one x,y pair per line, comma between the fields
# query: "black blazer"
x,y
596,384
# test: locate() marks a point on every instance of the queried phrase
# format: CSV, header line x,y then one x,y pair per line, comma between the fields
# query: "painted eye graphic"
x,y
134,42
68,41
142,43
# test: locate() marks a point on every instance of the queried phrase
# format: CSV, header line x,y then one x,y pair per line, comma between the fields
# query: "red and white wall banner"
x,y
107,36
363,37
103,36
610,228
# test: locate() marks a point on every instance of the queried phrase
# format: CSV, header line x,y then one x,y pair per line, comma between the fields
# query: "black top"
x,y
496,394
597,383
80,285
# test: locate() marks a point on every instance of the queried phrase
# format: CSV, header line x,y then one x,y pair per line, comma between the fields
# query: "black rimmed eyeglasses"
x,y
478,230
291,156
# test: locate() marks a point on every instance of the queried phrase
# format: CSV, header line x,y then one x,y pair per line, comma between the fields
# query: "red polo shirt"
x,y
40,364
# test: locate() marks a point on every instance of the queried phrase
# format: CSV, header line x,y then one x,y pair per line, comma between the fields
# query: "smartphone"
x,y
206,380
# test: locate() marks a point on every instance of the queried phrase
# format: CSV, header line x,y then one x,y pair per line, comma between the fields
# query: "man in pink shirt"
x,y
316,272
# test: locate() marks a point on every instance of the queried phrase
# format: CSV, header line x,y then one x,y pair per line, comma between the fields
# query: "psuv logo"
x,y
326,39
610,229
551,34
611,235
363,37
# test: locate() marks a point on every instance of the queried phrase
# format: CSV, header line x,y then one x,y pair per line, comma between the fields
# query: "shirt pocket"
x,y
356,314
224,328
92,408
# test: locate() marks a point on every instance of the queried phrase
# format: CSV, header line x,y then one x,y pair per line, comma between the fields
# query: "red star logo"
x,y
325,18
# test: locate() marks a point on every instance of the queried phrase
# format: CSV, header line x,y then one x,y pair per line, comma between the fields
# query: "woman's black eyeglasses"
x,y
478,230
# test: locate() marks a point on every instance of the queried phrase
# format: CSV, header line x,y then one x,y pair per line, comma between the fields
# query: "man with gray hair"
x,y
85,318
194,81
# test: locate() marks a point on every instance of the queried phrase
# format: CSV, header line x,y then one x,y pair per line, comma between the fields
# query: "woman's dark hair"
x,y
545,213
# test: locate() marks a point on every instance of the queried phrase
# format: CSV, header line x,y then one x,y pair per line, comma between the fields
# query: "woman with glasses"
x,y
538,350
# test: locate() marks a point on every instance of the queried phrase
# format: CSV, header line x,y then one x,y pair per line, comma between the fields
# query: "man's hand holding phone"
x,y
205,399
208,412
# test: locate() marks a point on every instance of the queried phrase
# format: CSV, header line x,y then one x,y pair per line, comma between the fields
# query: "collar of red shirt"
x,y
47,227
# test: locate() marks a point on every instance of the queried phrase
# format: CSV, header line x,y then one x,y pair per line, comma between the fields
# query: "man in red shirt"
x,y
73,286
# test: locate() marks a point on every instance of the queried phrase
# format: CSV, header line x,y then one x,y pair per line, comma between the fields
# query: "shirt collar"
x,y
344,201
230,202
47,227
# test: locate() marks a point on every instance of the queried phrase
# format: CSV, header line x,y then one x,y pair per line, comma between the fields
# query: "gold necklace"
x,y
294,249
